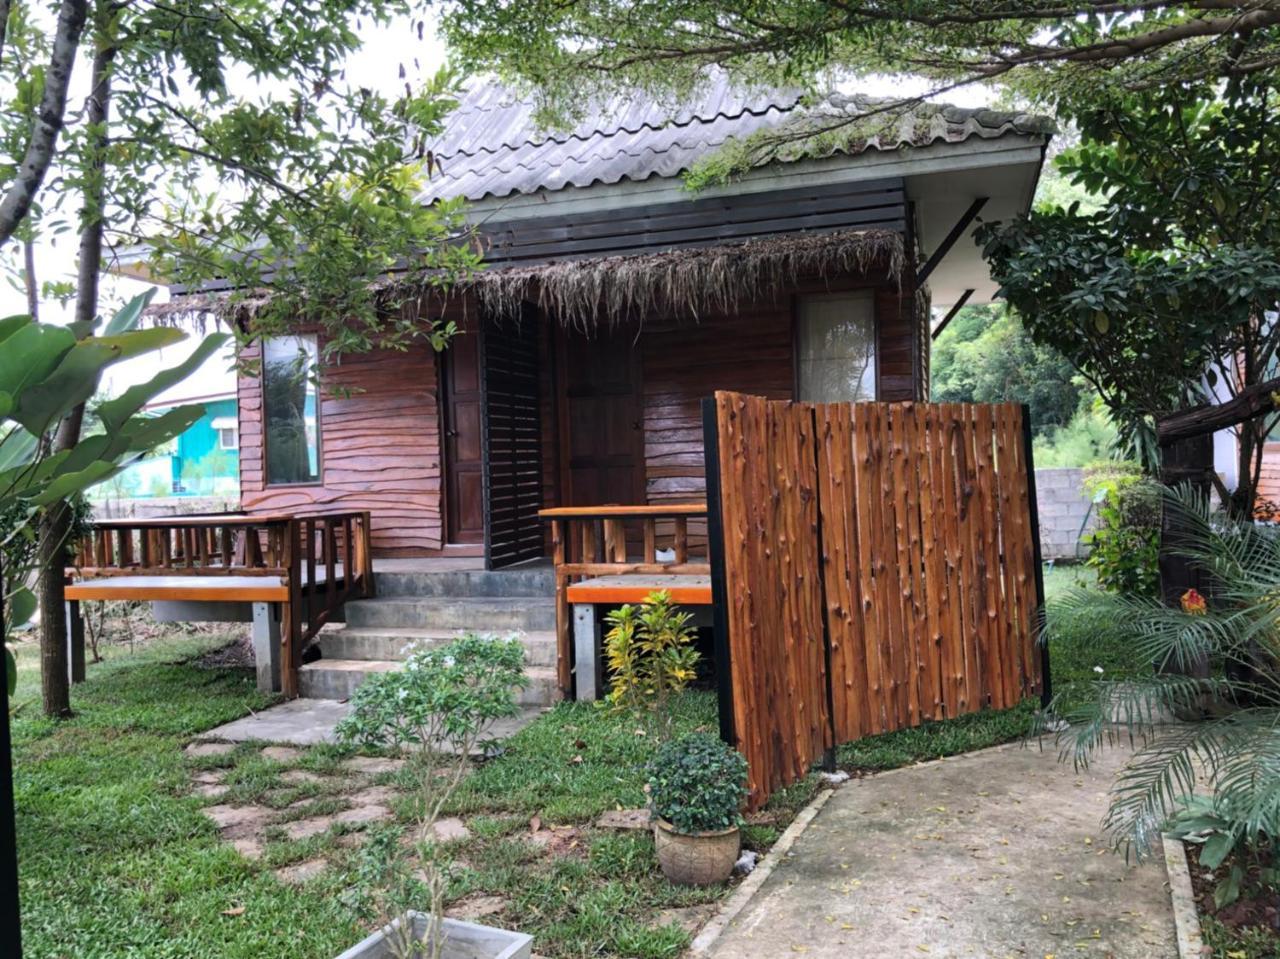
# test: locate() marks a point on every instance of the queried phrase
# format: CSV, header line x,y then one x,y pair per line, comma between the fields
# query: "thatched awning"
x,y
625,288
696,280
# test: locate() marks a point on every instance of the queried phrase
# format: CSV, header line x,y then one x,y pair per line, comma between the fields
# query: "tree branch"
x,y
1250,403
48,122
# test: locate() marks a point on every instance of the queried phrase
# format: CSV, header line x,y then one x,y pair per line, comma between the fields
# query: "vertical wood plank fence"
x,y
878,566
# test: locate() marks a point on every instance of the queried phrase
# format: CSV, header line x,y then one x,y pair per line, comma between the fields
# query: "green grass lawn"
x,y
117,858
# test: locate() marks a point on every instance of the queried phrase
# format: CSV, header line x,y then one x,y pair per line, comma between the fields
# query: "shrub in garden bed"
x,y
1216,781
1125,547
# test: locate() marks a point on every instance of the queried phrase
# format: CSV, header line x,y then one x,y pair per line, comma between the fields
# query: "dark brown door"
x,y
463,441
604,448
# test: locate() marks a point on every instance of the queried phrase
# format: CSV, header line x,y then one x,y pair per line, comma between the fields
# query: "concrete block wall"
x,y
1063,504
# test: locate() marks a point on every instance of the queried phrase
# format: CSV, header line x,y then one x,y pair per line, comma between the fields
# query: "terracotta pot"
x,y
696,859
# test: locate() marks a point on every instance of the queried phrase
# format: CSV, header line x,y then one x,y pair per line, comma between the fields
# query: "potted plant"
x,y
438,706
697,785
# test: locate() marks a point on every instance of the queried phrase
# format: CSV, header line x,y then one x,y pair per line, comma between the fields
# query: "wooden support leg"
x,y
266,645
585,652
75,642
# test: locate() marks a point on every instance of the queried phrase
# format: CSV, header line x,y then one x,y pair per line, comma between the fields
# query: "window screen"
x,y
836,348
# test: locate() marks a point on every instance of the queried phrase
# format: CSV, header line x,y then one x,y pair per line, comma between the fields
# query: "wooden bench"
x,y
286,573
594,571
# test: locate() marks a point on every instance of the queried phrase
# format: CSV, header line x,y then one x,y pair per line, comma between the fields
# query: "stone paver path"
x,y
992,855
305,722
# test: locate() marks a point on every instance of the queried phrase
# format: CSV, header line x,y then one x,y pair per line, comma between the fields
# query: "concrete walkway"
x,y
996,854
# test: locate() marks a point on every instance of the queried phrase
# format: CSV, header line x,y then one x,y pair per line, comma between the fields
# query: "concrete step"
x,y
533,581
339,678
480,614
383,643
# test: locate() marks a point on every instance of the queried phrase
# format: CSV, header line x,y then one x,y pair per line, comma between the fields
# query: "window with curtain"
x,y
289,410
836,348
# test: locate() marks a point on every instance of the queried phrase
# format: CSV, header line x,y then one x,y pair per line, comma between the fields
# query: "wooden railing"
x,y
322,560
591,541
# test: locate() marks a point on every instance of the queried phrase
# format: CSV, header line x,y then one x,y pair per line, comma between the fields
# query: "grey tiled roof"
x,y
492,147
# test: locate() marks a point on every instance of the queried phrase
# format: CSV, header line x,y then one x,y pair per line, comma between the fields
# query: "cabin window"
x,y
289,410
836,348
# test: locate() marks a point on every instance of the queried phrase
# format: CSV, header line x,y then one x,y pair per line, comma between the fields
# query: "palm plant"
x,y
1207,757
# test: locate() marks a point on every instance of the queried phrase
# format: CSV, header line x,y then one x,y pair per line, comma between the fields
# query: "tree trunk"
x,y
47,124
1187,462
54,683
10,913
55,523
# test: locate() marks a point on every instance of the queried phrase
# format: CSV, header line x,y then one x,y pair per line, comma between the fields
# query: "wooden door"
x,y
463,441
602,456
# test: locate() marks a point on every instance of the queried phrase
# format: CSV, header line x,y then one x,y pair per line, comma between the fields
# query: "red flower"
x,y
1193,603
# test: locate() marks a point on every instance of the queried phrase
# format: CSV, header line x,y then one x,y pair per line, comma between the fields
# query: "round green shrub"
x,y
698,784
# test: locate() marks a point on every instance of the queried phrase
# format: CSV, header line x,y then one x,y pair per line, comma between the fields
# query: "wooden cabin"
x,y
564,420
614,299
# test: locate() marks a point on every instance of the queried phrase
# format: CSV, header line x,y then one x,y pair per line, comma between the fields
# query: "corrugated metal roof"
x,y
491,145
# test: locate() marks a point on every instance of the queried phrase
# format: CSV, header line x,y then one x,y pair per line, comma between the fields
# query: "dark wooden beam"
x,y
1249,404
951,313
950,239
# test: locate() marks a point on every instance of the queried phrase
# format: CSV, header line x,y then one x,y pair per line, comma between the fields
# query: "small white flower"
x,y
1099,670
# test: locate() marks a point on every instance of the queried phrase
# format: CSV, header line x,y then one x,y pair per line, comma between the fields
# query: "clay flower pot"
x,y
696,859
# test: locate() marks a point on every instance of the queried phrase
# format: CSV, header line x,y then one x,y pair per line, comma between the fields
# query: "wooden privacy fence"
x,y
876,565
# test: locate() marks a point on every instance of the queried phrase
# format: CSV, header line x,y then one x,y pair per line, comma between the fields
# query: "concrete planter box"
x,y
463,940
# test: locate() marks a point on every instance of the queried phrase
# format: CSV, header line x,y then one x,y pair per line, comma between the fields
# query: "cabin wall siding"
x,y
1269,480
683,364
379,448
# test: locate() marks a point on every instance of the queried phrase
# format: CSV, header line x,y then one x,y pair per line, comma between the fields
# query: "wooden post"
x,y
290,615
1033,508
564,650
1184,462
715,553
366,554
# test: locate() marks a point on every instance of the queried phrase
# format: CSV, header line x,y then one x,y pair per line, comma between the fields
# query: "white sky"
x,y
377,65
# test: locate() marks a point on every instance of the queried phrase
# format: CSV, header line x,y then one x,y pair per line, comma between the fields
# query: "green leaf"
x,y
1216,849
146,433
19,607
128,317
114,413
137,342
1228,890
68,484
30,354
72,382
11,324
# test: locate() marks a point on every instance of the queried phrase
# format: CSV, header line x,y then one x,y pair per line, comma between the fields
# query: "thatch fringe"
x,y
617,289
691,281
